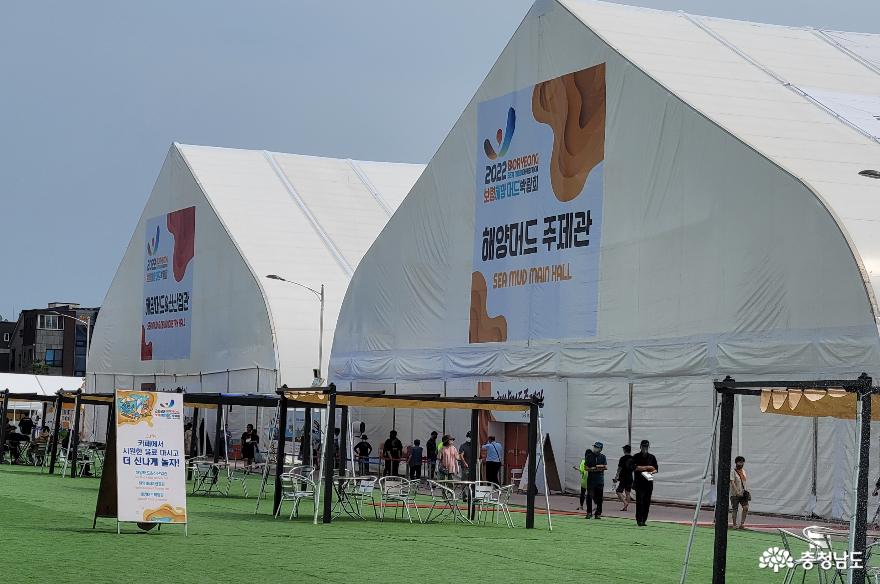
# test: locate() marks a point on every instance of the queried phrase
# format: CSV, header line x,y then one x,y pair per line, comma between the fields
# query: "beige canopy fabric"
x,y
831,403
412,402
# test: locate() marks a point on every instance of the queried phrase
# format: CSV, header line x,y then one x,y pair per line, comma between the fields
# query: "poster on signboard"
x,y
169,254
538,210
150,468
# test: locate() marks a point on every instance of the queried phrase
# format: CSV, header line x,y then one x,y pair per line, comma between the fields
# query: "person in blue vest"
x,y
596,464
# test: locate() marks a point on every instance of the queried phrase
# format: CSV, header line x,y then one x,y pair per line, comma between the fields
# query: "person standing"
x,y
494,451
624,477
465,457
739,495
249,441
26,425
414,460
431,452
595,464
449,459
644,468
362,450
582,468
392,451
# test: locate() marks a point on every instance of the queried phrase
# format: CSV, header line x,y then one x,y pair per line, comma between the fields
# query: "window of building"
x,y
53,357
51,322
5,337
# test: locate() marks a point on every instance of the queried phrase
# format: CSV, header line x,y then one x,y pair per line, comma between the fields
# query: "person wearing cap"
x,y
644,468
596,464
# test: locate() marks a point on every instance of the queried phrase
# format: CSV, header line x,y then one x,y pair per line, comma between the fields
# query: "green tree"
x,y
39,368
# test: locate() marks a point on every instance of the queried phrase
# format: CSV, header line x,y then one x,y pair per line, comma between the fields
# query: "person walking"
x,y
582,468
624,477
644,468
595,464
414,460
494,451
449,459
362,451
431,453
739,495
392,451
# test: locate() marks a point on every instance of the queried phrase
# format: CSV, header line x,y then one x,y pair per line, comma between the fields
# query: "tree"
x,y
39,368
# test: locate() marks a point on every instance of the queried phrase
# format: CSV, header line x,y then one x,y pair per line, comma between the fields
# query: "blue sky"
x,y
93,93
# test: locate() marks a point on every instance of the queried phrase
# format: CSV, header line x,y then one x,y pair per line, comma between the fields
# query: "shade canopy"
x,y
414,401
816,402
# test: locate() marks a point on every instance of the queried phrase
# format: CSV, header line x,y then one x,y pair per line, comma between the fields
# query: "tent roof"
x,y
18,383
804,98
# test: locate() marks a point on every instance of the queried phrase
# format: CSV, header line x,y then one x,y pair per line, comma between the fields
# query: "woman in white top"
x,y
739,494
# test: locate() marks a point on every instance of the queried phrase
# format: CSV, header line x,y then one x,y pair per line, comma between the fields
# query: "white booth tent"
x,y
731,234
308,219
27,384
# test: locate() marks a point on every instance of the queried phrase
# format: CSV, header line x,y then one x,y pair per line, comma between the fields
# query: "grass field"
x,y
45,522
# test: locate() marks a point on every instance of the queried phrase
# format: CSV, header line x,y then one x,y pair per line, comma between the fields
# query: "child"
x,y
582,468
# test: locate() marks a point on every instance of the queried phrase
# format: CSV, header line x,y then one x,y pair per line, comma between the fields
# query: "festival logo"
x,y
503,138
153,243
135,407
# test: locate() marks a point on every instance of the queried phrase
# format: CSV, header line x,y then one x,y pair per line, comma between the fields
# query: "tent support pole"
x,y
329,455
474,460
281,431
722,488
858,541
343,441
193,440
533,465
74,441
4,408
306,453
53,455
218,427
43,416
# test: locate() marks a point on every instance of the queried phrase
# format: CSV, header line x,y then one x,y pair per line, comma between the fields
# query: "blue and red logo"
x,y
503,138
153,244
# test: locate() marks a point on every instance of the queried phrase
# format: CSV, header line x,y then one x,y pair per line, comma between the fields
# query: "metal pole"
x,y
344,450
74,442
473,458
687,553
722,488
544,474
4,408
533,465
218,427
329,455
53,455
279,451
88,345
321,336
858,540
193,439
306,454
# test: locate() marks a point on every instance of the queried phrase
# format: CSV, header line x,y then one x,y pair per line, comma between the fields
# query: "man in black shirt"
x,y
431,453
595,464
392,450
363,449
644,464
624,478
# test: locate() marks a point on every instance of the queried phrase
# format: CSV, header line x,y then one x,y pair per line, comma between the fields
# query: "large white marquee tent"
x,y
690,189
190,305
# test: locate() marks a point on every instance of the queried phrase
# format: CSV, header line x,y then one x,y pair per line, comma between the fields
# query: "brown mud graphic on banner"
x,y
165,514
484,328
574,106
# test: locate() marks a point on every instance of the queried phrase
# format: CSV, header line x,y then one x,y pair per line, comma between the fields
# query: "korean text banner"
x,y
538,215
166,329
150,469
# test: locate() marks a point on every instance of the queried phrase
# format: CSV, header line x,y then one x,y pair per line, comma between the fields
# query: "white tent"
x,y
690,188
190,305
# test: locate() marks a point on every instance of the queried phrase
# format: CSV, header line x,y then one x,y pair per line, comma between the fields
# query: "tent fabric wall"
x,y
736,238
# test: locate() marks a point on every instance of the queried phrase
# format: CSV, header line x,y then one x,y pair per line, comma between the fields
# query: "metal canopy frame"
x,y
728,389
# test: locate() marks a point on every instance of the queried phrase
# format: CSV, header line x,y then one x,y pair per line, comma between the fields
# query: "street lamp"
x,y
320,296
88,323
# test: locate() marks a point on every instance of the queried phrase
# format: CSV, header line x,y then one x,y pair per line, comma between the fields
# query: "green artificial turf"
x,y
45,533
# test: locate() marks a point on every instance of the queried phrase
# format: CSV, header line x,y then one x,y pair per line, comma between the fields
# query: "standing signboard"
x,y
150,467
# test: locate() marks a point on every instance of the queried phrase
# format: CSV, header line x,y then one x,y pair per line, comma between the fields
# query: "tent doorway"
x,y
516,450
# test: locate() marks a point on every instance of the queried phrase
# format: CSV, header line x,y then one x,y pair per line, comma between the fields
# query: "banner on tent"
x,y
166,327
151,472
538,210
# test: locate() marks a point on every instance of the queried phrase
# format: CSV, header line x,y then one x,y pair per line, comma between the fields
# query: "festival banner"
x,y
150,466
538,210
166,327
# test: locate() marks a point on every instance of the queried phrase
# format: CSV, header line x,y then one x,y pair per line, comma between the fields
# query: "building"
x,y
191,305
635,203
6,330
52,340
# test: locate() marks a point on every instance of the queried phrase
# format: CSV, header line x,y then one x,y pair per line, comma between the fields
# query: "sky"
x,y
92,94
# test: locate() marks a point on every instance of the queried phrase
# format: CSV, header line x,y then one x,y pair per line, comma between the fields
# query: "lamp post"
x,y
320,296
88,324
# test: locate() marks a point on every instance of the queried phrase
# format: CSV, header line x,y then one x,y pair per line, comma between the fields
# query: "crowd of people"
x,y
440,457
20,437
635,472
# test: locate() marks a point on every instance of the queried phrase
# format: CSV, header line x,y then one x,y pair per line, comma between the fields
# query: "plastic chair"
x,y
444,500
358,492
489,496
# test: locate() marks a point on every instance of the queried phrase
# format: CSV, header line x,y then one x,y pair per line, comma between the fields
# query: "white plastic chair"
x,y
402,493
444,501
296,488
494,498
